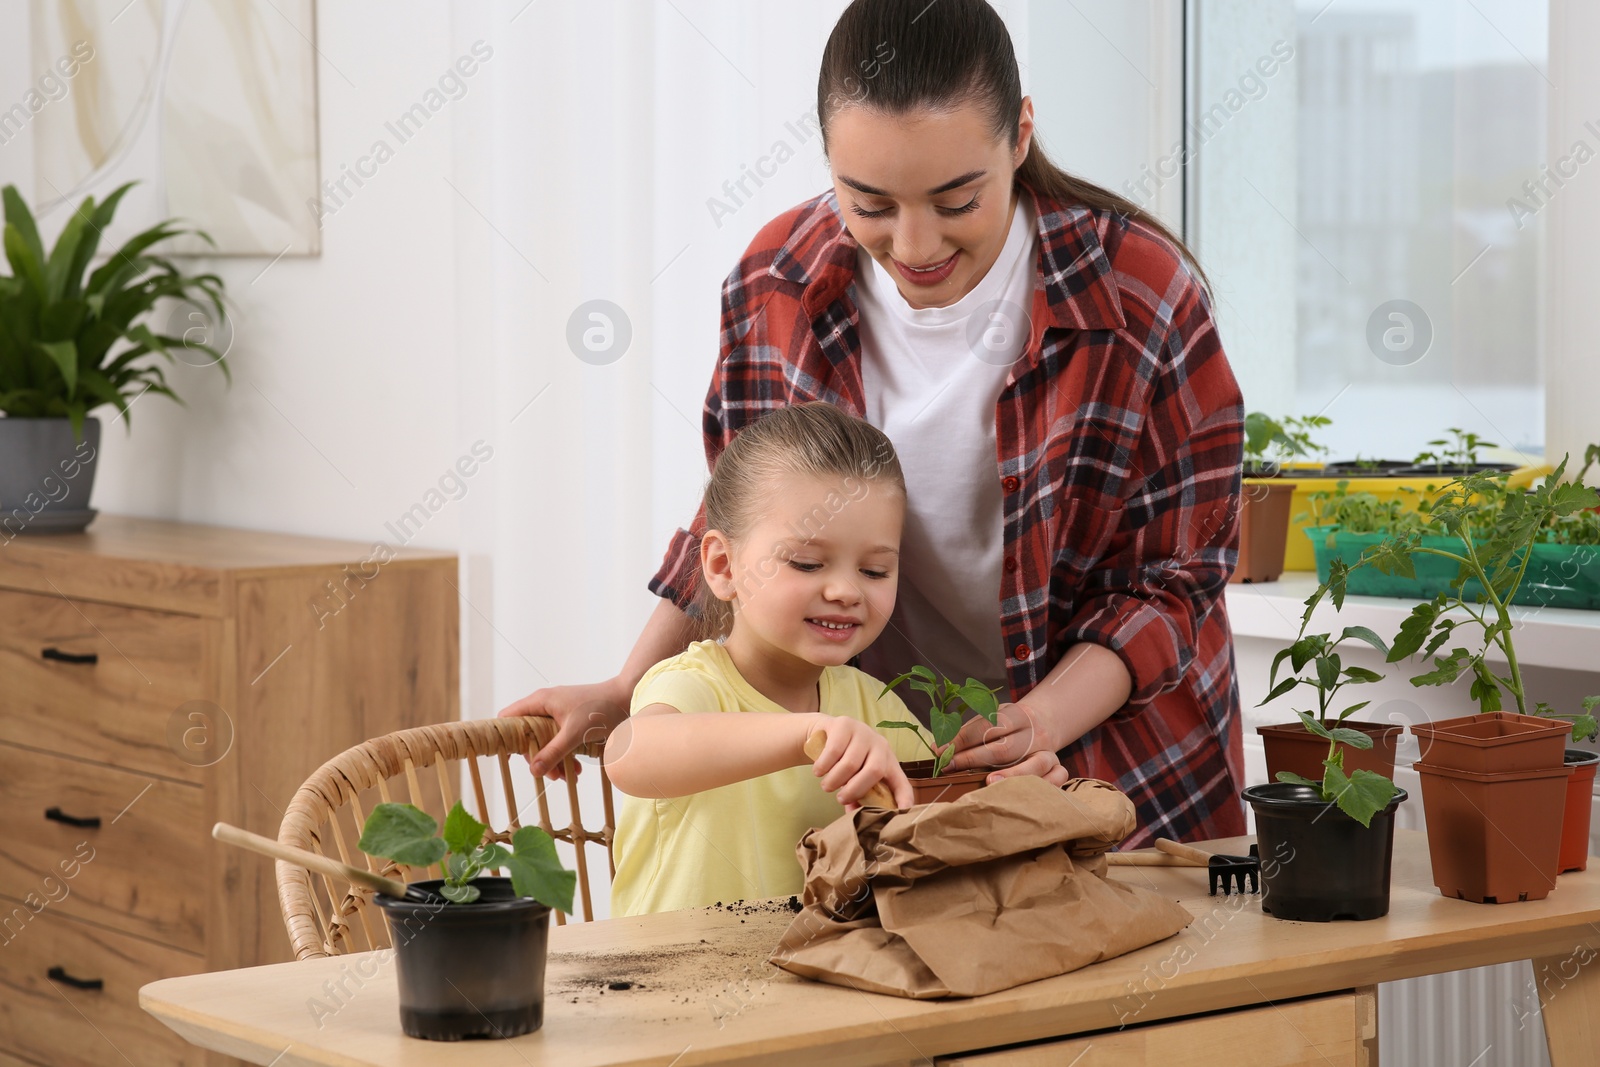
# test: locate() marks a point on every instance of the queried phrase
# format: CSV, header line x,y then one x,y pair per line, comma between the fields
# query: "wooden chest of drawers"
x,y
156,678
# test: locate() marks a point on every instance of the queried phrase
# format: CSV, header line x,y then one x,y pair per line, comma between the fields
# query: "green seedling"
x,y
1362,793
1459,449
406,834
945,719
1269,442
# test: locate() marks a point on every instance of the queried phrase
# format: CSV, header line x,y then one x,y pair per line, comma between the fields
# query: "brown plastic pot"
x,y
925,789
1264,506
1579,809
1493,838
1290,747
1489,744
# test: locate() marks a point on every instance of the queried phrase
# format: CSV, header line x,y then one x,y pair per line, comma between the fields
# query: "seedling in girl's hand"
x,y
406,834
945,721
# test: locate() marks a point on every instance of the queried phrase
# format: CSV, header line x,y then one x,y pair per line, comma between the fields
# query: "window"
x,y
1367,186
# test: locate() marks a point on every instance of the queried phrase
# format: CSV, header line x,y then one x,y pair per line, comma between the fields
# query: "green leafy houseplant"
x,y
1361,793
945,718
1494,531
408,835
61,324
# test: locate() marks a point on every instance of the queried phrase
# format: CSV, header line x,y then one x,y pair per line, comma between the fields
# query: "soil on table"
x,y
690,980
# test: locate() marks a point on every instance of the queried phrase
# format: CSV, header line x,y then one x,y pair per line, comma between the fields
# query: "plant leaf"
x,y
1306,649
1328,670
1312,726
1280,689
65,356
1295,779
1414,630
980,698
536,870
1361,796
491,856
1446,669
403,833
1354,738
462,833
460,894
1363,633
1361,674
945,724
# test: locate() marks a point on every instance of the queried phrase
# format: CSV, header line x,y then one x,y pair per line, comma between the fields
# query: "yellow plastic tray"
x,y
1298,554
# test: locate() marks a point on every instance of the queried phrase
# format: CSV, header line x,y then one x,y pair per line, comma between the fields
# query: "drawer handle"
x,y
59,974
90,658
92,822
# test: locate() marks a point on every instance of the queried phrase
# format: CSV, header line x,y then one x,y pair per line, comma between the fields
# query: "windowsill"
x,y
1546,637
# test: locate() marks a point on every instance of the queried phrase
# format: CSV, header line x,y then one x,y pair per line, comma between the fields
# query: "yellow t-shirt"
x,y
736,842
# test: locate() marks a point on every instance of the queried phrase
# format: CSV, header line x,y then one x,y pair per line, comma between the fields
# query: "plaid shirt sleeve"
x,y
1168,557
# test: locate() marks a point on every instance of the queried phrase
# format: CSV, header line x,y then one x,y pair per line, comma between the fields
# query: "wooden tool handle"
x,y
877,797
1193,855
232,835
1148,859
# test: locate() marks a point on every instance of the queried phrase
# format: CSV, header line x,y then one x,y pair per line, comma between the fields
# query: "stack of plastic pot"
x,y
1494,791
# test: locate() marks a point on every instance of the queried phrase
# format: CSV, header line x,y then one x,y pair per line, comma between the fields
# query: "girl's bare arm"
x,y
661,752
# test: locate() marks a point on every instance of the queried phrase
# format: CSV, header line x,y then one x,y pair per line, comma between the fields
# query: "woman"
x,y
1042,354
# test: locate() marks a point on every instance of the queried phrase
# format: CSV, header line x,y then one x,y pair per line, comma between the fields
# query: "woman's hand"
x,y
1016,744
583,713
855,758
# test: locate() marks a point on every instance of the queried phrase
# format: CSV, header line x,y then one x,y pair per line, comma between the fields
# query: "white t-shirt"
x,y
932,378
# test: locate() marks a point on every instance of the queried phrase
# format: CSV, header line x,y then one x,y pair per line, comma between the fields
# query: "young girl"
x,y
799,568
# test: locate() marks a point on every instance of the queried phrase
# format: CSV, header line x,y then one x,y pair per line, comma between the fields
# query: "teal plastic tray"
x,y
1559,576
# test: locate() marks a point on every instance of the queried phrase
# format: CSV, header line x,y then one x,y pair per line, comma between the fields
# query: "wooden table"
x,y
702,991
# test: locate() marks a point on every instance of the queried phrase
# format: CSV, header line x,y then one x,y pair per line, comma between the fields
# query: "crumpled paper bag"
x,y
1003,886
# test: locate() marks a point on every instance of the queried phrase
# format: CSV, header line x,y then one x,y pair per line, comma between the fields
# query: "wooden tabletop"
x,y
699,989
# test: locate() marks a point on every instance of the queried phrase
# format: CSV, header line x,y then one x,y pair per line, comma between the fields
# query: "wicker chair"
x,y
325,916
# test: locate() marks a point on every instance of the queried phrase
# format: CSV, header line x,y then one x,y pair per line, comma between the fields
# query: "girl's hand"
x,y
855,758
1016,744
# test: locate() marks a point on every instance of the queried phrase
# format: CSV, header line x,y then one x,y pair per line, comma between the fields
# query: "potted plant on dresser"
x,y
73,340
927,777
1494,784
1266,495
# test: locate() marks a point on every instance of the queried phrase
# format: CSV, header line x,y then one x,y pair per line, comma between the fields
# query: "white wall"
x,y
341,415
1572,258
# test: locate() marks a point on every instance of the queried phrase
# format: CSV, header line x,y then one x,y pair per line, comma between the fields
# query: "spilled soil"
x,y
689,980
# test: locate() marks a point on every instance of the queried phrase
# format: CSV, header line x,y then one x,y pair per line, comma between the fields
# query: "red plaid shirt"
x,y
1119,438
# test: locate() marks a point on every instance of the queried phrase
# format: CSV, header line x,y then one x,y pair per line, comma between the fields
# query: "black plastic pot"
x,y
1317,863
469,970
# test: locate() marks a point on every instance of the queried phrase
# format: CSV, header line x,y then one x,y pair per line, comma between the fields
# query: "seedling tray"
x,y
1408,487
1559,576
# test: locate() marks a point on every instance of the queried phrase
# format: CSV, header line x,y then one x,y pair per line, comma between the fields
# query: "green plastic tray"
x,y
1559,576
